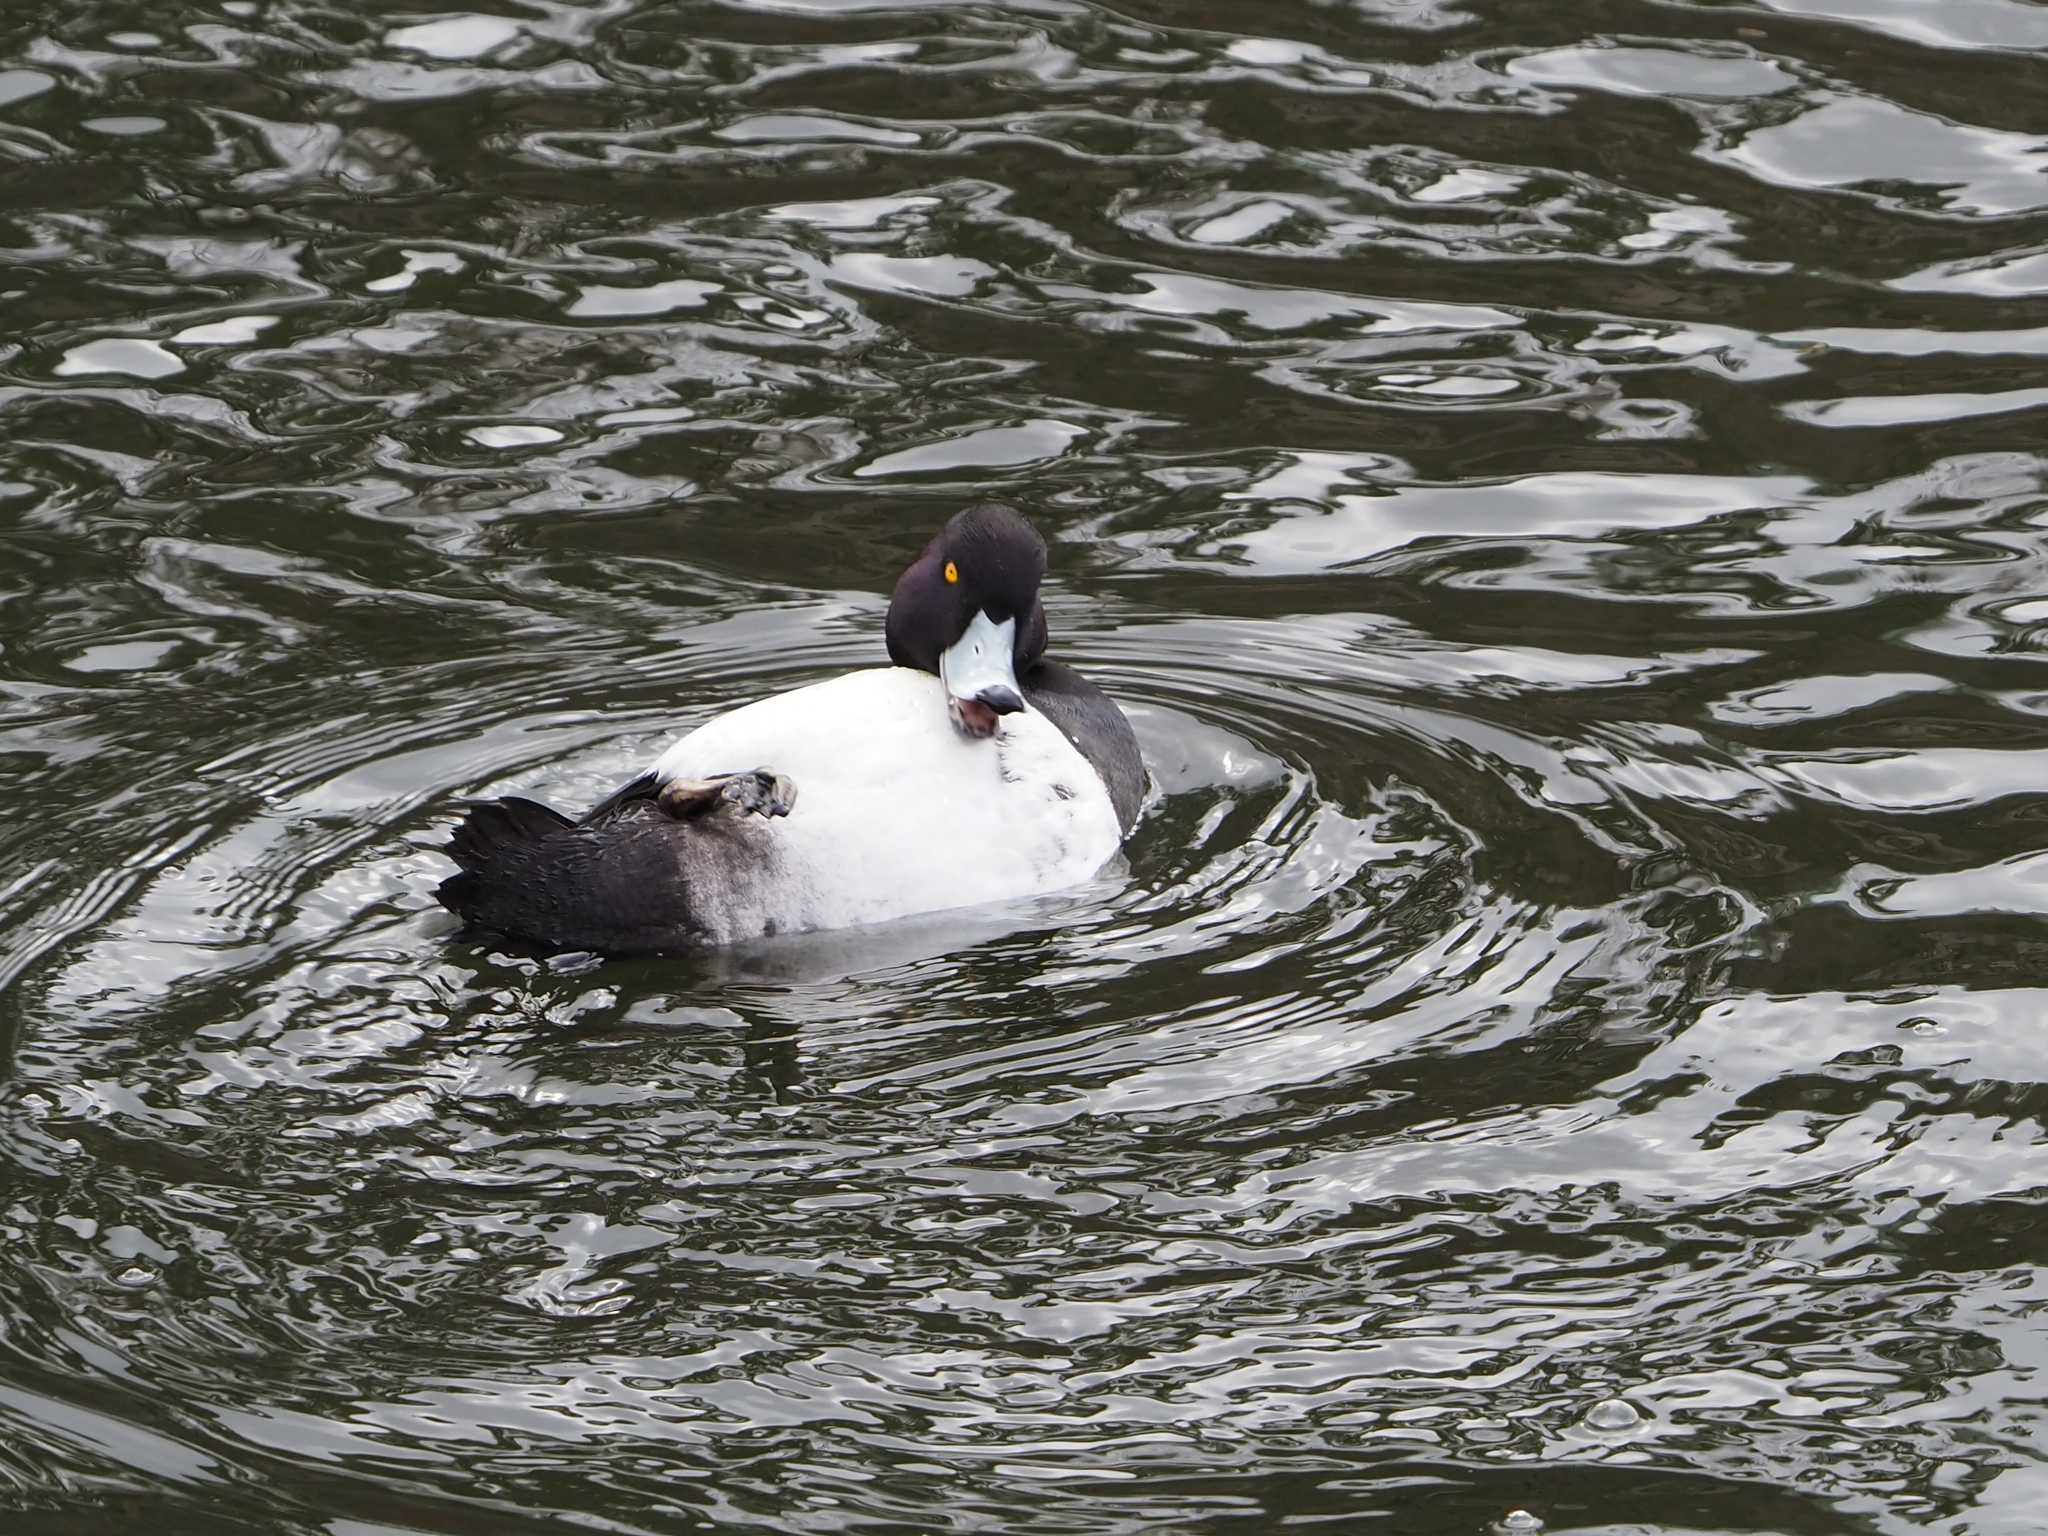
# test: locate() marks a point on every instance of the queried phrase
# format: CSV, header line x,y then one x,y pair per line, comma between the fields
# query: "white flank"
x,y
896,812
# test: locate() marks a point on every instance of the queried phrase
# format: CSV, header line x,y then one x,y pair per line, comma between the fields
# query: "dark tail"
x,y
491,830
611,882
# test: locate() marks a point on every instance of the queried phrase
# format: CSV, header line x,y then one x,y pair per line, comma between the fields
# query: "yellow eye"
x,y
952,571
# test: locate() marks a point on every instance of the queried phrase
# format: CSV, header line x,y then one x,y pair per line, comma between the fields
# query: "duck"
x,y
973,769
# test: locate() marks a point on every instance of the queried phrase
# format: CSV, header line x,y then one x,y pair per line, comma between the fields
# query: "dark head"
x,y
968,610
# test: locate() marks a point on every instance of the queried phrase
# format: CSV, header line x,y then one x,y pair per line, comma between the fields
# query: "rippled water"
x,y
1558,488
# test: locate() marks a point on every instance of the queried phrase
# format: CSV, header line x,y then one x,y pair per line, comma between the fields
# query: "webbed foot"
x,y
763,792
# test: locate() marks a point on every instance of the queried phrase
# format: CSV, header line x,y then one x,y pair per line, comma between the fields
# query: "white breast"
x,y
896,811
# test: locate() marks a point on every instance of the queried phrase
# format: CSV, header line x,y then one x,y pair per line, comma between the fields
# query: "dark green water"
x,y
1560,490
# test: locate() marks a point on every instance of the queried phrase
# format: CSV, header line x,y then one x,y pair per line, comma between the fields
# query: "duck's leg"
x,y
763,792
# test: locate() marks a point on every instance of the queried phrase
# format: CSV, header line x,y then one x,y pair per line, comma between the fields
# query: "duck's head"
x,y
968,610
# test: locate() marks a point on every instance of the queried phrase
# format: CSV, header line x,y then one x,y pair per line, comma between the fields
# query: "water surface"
x,y
1559,491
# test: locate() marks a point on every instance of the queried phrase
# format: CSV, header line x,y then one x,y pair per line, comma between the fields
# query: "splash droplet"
x,y
1613,1416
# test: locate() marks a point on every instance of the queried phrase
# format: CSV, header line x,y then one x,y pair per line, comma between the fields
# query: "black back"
x,y
1089,719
